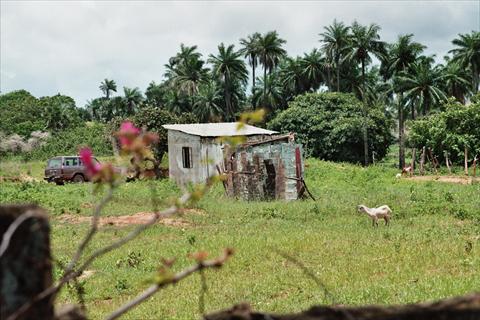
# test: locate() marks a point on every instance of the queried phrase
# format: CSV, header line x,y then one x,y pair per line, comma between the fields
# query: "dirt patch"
x,y
133,219
450,179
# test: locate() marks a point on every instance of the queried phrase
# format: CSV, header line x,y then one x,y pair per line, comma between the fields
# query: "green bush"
x,y
453,130
329,125
68,142
22,113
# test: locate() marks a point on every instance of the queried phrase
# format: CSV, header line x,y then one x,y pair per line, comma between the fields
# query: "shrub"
x,y
15,144
453,130
330,126
68,142
22,113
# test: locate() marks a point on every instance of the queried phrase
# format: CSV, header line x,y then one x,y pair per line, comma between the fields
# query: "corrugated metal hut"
x,y
268,169
266,166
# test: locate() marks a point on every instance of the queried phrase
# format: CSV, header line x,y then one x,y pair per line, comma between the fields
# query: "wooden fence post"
x,y
25,261
466,161
474,165
414,159
422,162
447,162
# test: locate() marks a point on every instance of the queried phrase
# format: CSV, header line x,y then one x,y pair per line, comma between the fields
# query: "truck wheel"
x,y
78,178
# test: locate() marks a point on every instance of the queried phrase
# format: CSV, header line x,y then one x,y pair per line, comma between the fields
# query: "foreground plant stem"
x,y
215,263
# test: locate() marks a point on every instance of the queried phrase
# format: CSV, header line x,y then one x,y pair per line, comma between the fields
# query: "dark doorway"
x,y
270,181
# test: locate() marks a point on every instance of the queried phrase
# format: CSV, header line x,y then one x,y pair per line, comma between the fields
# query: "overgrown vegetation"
x,y
454,131
436,223
406,84
329,125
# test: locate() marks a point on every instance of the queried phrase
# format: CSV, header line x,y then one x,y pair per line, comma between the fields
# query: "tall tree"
x,y
229,67
187,76
401,55
313,66
422,84
291,75
186,53
207,105
456,80
107,86
335,40
468,54
250,51
364,42
270,53
273,98
132,98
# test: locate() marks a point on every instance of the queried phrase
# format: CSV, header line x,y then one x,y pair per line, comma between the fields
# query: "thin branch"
x,y
72,274
215,263
78,271
203,290
91,232
312,276
307,272
7,236
132,235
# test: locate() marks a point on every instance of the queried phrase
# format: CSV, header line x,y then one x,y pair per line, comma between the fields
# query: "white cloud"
x,y
69,47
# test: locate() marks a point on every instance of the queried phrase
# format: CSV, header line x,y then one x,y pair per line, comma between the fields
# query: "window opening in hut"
x,y
187,157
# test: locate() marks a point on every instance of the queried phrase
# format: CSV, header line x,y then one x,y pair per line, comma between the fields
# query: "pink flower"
x,y
92,166
128,132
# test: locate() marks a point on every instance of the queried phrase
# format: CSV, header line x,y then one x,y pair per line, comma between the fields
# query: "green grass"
x,y
421,256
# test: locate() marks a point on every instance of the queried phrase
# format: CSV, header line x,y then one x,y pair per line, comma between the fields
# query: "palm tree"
x,y
313,66
270,52
207,105
468,54
291,75
422,84
456,80
186,53
187,76
400,57
251,52
229,68
132,97
108,85
335,40
364,42
273,97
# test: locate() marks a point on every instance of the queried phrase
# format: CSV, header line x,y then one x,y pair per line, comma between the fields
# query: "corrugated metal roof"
x,y
222,129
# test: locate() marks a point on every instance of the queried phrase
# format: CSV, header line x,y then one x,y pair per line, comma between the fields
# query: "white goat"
x,y
382,212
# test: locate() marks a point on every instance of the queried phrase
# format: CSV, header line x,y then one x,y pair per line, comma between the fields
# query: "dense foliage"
x,y
452,131
404,84
153,119
69,141
330,126
22,113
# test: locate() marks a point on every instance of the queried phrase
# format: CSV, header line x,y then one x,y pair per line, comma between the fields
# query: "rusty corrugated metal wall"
x,y
264,171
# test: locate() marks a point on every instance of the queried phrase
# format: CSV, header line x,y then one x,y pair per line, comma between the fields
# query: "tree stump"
x,y
25,264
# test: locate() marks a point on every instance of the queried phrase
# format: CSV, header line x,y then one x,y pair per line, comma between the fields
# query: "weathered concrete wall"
x,y
212,154
264,171
206,154
176,141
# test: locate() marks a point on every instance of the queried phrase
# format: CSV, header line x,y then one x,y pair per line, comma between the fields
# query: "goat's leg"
x,y
386,220
373,222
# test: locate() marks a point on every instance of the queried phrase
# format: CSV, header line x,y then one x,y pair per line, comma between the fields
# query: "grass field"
x,y
430,251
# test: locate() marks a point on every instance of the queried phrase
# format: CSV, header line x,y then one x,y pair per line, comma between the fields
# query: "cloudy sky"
x,y
69,47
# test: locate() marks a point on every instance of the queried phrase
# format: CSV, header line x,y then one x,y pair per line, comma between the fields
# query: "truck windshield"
x,y
55,163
